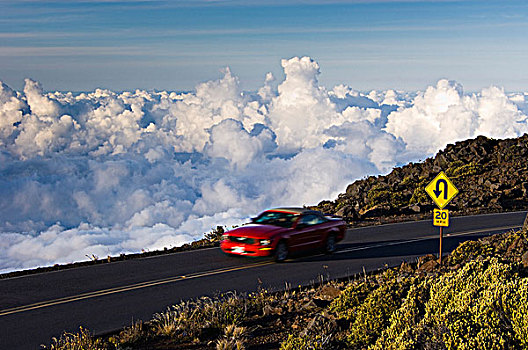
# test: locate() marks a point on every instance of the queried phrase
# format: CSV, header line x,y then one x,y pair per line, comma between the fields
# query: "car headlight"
x,y
265,241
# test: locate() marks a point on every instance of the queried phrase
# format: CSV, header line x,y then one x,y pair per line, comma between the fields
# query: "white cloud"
x,y
499,117
302,109
11,111
104,172
40,105
443,114
229,140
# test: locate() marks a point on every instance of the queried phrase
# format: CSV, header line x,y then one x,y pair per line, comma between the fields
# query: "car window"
x,y
310,220
276,218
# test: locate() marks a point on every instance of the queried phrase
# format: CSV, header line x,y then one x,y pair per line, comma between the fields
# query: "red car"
x,y
282,231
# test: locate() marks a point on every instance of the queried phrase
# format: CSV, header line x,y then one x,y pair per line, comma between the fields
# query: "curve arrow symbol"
x,y
437,192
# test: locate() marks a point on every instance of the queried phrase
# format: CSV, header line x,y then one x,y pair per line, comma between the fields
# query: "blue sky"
x,y
173,45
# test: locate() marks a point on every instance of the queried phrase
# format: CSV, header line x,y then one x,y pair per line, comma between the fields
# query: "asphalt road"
x,y
102,298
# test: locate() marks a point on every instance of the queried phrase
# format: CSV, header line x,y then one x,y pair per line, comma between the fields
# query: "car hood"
x,y
257,231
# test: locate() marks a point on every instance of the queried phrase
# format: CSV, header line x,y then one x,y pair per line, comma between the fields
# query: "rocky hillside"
x,y
491,175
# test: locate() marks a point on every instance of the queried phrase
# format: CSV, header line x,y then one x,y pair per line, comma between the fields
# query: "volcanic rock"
x,y
491,176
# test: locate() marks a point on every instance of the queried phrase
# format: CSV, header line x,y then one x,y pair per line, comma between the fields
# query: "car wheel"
x,y
281,251
330,245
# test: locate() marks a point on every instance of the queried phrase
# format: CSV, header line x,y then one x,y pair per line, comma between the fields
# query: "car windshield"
x,y
276,218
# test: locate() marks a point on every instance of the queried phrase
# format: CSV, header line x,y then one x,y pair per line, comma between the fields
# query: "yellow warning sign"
x,y
441,190
441,217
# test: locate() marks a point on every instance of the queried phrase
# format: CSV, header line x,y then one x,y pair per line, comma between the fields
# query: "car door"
x,y
306,232
317,230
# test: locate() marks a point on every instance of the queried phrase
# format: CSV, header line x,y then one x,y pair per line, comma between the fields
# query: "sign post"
x,y
442,191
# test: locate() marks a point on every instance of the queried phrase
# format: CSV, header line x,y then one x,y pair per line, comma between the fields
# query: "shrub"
x,y
419,196
407,180
169,322
189,319
399,333
82,340
304,343
378,194
344,306
454,165
398,200
372,316
458,169
382,195
130,335
215,235
234,338
466,308
515,302
469,250
481,305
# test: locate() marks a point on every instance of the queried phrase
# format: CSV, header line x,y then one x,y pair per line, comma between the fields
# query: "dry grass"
x,y
82,340
234,338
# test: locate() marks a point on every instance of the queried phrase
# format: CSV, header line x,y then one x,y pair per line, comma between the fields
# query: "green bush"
x,y
378,194
482,304
458,169
372,316
466,308
419,196
408,180
515,302
469,250
344,306
398,200
299,343
399,334
454,165
381,194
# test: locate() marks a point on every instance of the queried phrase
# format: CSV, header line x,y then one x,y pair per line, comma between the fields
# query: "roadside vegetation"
x,y
478,299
